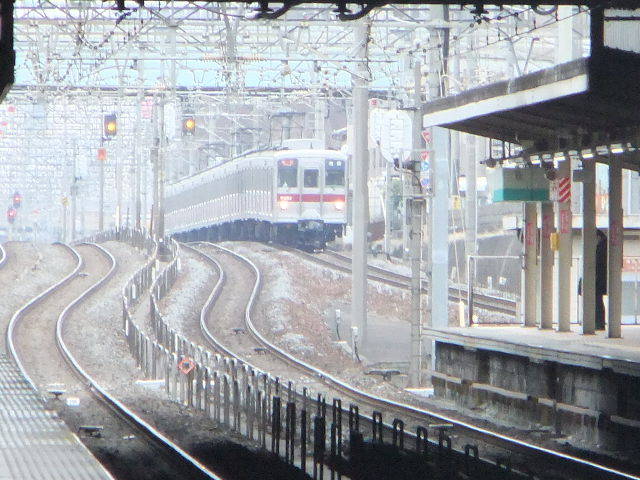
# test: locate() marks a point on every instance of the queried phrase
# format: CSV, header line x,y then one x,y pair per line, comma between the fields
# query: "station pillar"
x,y
588,246
615,253
529,285
564,223
544,310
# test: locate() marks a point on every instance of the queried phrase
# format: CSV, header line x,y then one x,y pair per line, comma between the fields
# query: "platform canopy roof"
x,y
590,98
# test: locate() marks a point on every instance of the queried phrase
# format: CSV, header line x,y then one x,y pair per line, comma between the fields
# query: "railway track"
x,y
337,261
223,318
3,255
531,460
146,453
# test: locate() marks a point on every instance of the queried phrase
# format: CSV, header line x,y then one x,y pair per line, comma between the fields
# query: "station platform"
x,y
620,355
34,442
583,388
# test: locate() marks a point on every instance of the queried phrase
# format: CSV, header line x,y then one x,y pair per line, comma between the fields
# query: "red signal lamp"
x,y
11,214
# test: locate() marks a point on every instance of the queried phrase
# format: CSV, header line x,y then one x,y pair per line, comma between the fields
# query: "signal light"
x,y
17,200
410,165
188,125
11,214
110,126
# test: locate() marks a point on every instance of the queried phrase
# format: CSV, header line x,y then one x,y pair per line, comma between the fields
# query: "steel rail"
x,y
545,456
208,305
3,252
398,280
483,300
101,394
19,314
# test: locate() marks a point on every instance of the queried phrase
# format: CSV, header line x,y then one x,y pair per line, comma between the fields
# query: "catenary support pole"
x,y
416,204
359,169
155,159
563,287
544,310
101,200
64,222
588,246
473,155
388,217
615,257
529,286
137,152
74,193
161,171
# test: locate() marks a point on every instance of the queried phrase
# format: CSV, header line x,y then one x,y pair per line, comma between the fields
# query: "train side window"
x,y
311,178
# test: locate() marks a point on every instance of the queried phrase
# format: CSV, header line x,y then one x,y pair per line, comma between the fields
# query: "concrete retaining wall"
x,y
588,407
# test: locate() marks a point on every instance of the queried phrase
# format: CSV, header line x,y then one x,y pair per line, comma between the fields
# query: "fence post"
x,y
225,388
290,430
276,426
207,391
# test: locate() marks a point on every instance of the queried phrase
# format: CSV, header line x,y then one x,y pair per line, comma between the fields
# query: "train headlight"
x,y
339,204
284,204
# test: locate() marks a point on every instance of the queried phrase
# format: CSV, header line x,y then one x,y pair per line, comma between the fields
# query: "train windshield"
x,y
288,172
334,173
311,178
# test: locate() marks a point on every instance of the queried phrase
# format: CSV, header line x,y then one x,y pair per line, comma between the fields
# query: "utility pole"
x,y
359,169
416,205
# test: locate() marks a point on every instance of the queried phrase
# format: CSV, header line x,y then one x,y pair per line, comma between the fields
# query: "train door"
x,y
288,190
311,190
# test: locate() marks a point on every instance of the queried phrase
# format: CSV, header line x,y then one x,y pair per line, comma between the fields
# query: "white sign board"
x,y
391,129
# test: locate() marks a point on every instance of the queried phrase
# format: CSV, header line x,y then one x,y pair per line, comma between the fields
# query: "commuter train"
x,y
293,195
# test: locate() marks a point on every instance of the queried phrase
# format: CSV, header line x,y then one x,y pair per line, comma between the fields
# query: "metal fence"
x,y
303,429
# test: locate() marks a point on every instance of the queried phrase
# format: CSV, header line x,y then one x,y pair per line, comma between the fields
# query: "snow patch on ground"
x,y
297,343
278,280
277,317
195,275
393,266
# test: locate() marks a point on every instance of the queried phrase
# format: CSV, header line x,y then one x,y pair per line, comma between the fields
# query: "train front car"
x,y
310,197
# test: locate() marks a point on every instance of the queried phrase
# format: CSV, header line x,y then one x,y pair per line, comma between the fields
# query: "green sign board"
x,y
518,184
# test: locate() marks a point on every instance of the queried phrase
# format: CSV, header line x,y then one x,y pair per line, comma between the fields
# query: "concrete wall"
x,y
594,409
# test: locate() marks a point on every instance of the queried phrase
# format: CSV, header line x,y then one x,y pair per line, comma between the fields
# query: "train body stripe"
x,y
310,197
